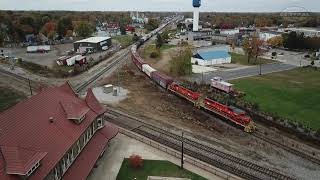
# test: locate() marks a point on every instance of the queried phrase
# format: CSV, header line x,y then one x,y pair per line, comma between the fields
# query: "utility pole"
x,y
30,87
182,149
260,73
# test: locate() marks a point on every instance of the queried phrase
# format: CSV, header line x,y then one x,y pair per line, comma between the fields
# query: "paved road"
x,y
241,73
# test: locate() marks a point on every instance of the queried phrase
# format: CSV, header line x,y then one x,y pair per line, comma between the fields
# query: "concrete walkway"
x,y
122,147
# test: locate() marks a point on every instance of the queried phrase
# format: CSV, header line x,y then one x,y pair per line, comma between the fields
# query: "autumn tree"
x,y
247,48
276,41
252,47
84,29
135,161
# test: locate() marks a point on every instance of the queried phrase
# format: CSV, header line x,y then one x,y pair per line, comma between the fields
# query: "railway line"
x,y
83,86
27,83
210,155
296,152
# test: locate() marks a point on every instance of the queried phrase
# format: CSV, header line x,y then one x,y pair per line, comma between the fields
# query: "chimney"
x,y
51,119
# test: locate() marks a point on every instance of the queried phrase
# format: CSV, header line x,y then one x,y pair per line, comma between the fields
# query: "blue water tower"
x,y
196,3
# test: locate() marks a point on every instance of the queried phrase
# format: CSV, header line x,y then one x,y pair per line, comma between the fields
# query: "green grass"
x,y
154,168
290,94
9,98
243,60
124,40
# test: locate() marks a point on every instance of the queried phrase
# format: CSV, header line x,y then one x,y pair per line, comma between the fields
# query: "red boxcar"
x,y
182,91
137,60
161,79
236,115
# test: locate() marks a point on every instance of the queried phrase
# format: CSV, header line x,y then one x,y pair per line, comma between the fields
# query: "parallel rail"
x,y
261,136
34,85
210,155
96,76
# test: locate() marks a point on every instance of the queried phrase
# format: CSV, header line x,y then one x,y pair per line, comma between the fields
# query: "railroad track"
x,y
107,68
210,155
20,79
261,136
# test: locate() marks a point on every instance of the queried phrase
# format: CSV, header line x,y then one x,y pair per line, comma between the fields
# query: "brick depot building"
x,y
53,135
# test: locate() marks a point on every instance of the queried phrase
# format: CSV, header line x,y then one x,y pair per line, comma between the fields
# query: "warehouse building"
x,y
53,135
92,44
211,58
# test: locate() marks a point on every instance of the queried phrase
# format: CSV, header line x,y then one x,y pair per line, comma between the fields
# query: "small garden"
x,y
137,168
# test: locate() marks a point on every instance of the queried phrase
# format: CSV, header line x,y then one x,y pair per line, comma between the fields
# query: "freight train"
x,y
230,113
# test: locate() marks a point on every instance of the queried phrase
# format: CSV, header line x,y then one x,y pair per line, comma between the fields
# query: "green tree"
x,y
159,41
135,38
123,30
84,29
64,24
181,63
152,24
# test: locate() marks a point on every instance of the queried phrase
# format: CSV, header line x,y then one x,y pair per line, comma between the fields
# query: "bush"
x,y
135,161
154,54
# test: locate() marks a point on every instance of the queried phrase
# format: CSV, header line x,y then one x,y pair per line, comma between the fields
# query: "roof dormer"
x,y
21,161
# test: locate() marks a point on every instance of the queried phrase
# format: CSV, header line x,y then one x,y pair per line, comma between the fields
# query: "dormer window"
x,y
100,122
33,168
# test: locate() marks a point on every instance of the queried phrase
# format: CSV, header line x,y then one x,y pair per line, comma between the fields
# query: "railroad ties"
x,y
227,162
210,155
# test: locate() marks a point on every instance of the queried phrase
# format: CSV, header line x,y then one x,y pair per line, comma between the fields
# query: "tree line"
x,y
15,25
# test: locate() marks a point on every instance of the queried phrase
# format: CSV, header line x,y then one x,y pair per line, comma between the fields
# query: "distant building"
x,y
93,44
224,39
211,58
308,32
265,36
53,135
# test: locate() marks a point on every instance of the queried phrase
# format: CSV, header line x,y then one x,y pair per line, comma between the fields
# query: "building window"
x,y
100,123
33,168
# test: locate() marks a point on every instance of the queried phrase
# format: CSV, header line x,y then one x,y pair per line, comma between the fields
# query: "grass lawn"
x,y
154,168
8,98
243,60
124,40
293,94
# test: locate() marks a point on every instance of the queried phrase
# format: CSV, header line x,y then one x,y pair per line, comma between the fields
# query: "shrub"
x,y
135,161
154,54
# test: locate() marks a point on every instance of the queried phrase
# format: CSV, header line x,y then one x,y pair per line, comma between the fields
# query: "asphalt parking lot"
x,y
49,58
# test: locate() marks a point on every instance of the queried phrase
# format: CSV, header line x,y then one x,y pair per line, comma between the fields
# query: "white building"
x,y
265,36
211,58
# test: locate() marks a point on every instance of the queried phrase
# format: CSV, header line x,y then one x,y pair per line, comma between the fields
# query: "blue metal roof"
x,y
213,55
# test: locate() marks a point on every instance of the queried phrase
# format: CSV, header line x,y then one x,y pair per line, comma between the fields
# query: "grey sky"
x,y
160,5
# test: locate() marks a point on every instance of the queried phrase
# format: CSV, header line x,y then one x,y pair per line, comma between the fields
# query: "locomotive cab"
x,y
240,115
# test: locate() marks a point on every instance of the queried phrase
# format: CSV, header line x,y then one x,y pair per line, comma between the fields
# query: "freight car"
x,y
230,113
218,84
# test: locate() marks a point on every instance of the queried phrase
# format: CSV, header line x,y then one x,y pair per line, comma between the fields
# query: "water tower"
x,y
196,5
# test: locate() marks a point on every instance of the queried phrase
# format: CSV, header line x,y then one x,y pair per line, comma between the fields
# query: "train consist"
x,y
230,113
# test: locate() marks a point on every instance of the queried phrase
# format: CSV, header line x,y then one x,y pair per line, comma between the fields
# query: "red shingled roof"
x,y
27,126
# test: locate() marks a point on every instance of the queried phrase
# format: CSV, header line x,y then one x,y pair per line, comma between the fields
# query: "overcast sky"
x,y
160,5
